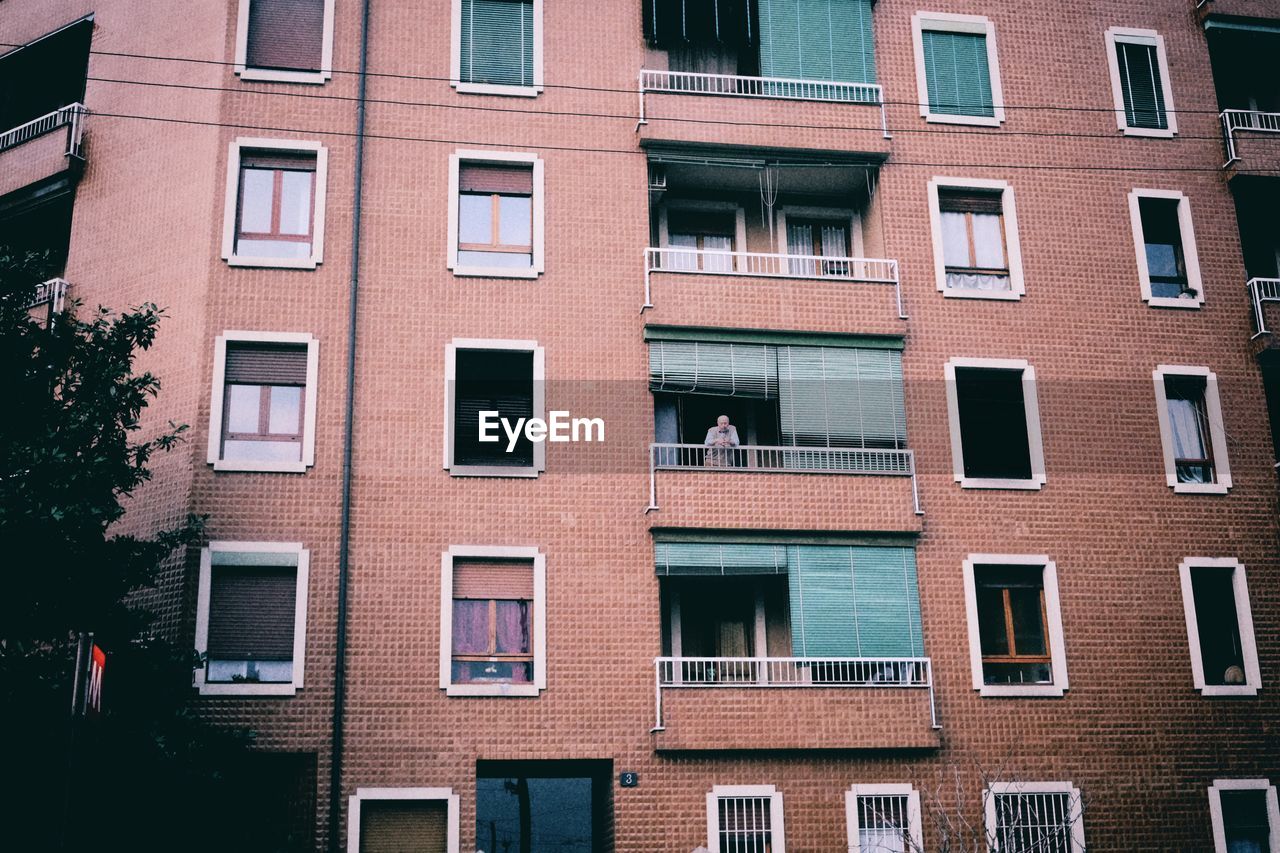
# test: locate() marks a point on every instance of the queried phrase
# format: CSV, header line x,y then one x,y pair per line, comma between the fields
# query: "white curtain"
x,y
1185,422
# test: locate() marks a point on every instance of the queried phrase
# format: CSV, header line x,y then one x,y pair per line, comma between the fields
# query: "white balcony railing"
x,y
778,88
683,672
1262,290
1249,120
52,292
775,459
72,115
679,259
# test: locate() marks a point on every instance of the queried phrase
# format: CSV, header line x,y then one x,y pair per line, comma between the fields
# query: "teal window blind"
x,y
956,73
854,601
719,558
497,42
841,397
726,369
817,40
1141,85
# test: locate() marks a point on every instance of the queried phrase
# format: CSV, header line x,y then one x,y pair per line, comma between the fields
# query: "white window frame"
x,y
1053,615
1015,788
246,72
446,794
776,828
539,218
1031,404
1190,257
469,88
1217,432
234,151
1244,618
299,619
1012,244
538,631
1148,37
948,22
843,214
914,832
218,397
539,406
1215,809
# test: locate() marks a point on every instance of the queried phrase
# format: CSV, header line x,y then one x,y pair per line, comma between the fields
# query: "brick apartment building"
x,y
984,290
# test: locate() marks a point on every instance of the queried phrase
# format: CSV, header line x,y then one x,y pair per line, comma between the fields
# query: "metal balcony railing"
x,y
52,292
1262,290
679,259
778,459
684,672
778,88
72,115
1249,120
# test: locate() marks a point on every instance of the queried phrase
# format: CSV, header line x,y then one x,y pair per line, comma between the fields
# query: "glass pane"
x,y
955,240
991,624
717,263
470,626
250,672
1162,260
1028,624
492,672
800,239
1016,673
255,201
475,219
515,220
506,260
243,403
557,814
681,260
513,627
262,451
988,240
287,249
1187,427
295,203
286,410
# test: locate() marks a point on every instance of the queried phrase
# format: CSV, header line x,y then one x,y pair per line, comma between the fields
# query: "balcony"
x,y
1261,292
1249,151
43,150
786,703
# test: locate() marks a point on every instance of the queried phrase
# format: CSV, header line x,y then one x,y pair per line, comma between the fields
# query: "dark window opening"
x,y
493,381
1244,821
705,36
1218,625
1162,239
1013,624
44,75
544,806
993,424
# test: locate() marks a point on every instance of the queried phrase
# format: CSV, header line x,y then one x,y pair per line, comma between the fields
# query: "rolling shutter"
x,y
841,397
711,558
959,81
266,364
817,40
485,178
285,34
396,826
727,369
853,601
509,580
251,612
497,42
1140,83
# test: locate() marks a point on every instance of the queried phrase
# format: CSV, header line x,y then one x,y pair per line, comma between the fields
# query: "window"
x,y
251,618
1168,264
957,74
883,819
288,41
493,621
703,236
1016,645
814,233
492,376
1191,430
262,412
385,820
1245,816
976,249
1140,82
995,424
497,47
275,204
495,220
1215,599
745,819
544,806
1034,817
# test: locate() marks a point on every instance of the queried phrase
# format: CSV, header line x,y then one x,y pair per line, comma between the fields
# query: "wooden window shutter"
x,y
485,178
498,579
251,610
394,826
266,364
285,34
970,201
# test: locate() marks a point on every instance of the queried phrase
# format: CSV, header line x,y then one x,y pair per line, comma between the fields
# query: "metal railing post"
x,y
915,485
933,704
643,121
653,479
648,287
657,696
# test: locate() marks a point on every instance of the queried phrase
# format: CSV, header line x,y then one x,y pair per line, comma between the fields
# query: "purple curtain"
x,y
470,626
513,627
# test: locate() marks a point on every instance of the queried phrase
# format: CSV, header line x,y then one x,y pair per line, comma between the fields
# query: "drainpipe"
x,y
344,543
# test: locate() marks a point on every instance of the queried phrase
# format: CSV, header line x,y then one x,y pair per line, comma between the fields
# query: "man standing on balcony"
x,y
720,439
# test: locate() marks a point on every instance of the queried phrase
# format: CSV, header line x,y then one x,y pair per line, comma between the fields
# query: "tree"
x,y
70,452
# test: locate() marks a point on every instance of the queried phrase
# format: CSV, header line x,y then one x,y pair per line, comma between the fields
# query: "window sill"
x,y
1034,484
247,689
1150,132
274,263
1201,488
265,75
997,295
1174,302
261,467
465,88
979,121
1024,690
492,471
1228,690
496,272
511,690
